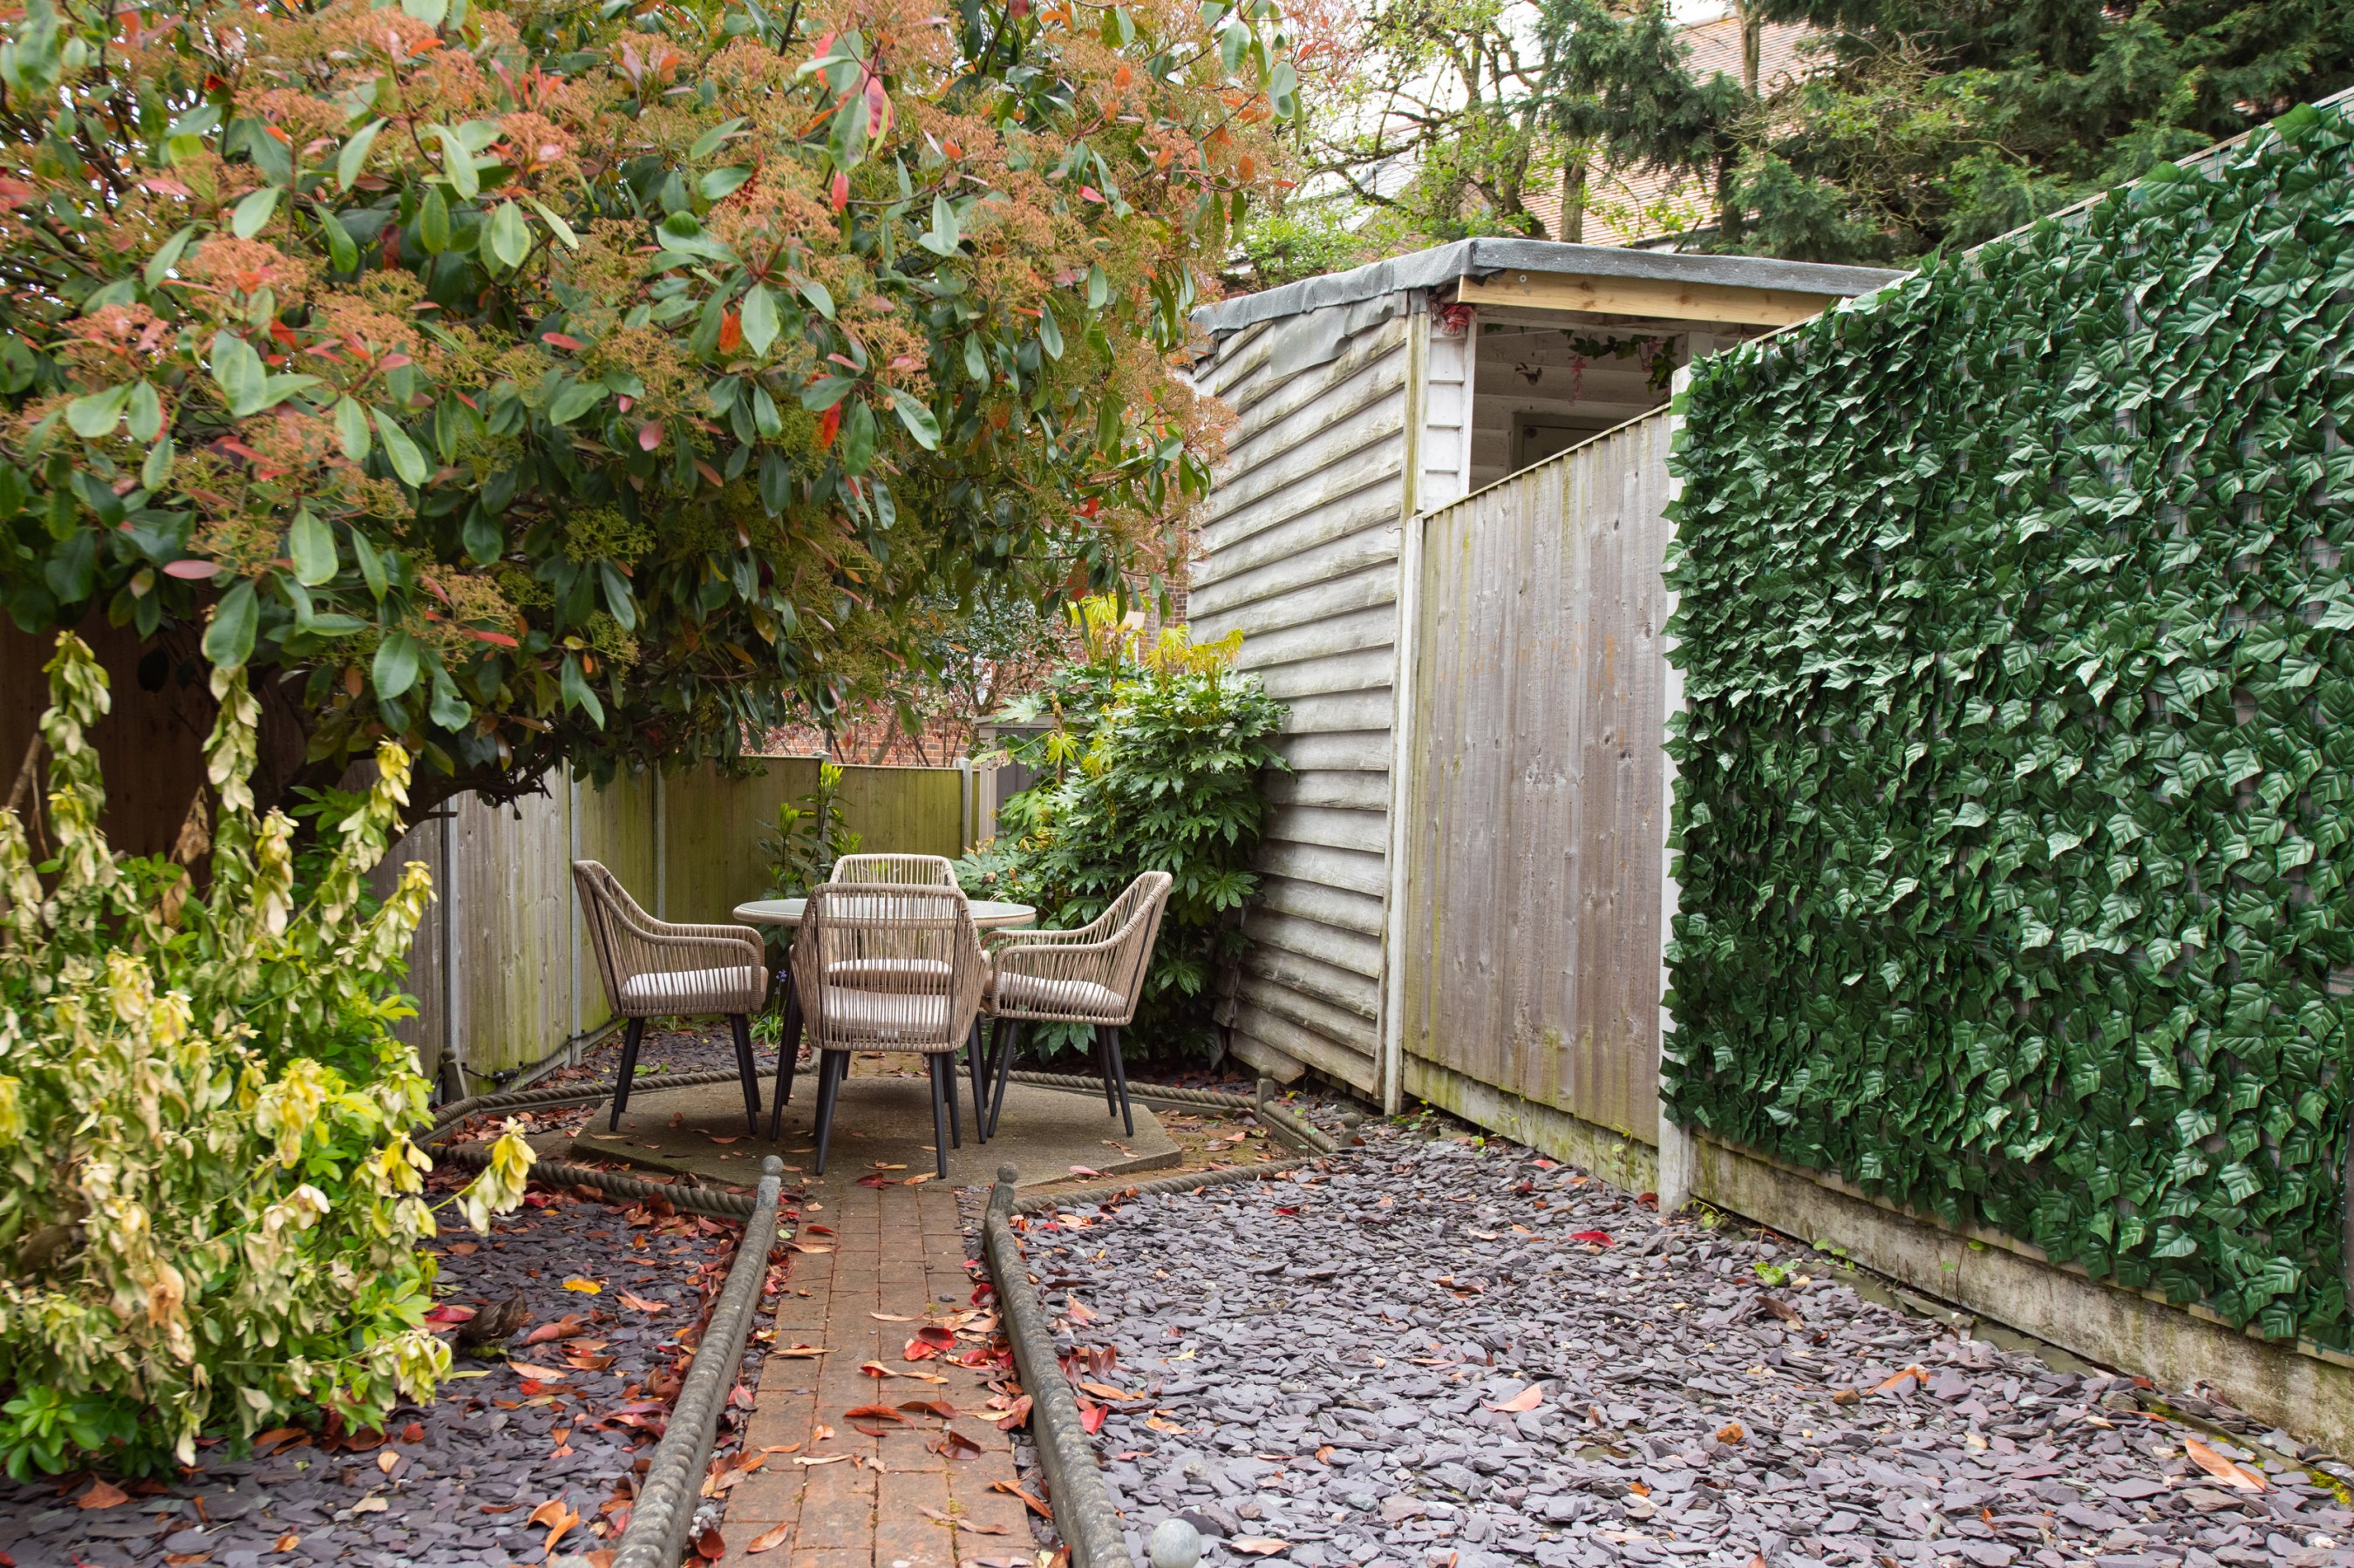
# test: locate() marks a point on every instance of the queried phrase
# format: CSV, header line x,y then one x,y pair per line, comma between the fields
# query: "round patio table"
x,y
988,914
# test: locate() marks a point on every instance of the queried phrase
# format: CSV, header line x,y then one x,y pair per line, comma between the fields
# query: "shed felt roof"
x,y
1484,258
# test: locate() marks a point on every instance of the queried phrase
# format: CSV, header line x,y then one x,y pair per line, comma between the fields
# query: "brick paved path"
x,y
897,1250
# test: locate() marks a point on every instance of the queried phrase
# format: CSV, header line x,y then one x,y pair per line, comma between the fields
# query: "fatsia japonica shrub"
x,y
204,1226
533,380
1156,761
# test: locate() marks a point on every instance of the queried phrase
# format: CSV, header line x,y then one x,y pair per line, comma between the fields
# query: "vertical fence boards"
x,y
500,963
1533,868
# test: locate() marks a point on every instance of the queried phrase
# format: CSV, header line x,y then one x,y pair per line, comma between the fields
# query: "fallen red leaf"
x,y
776,1535
2206,1458
1890,1383
1091,1416
711,1546
873,1413
1599,1238
1527,1398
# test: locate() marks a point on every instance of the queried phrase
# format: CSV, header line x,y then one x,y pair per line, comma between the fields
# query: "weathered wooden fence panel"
x,y
501,966
1532,908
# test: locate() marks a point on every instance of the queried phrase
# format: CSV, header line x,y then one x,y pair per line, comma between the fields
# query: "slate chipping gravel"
x,y
1329,1352
472,1456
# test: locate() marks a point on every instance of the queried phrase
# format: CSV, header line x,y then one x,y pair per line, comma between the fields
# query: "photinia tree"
x,y
526,380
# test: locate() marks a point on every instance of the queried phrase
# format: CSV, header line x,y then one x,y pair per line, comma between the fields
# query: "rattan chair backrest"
x,y
922,937
900,870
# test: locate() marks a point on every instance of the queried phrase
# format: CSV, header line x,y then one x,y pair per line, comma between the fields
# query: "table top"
x,y
988,914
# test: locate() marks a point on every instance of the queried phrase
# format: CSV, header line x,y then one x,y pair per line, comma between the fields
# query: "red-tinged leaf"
x,y
1890,1383
572,1325
1016,1415
711,1546
841,191
1599,1238
873,1413
768,1539
955,1445
1085,1171
731,333
1256,1545
640,1303
650,435
1091,193
939,1407
1091,1416
740,1397
934,1334
504,640
450,1315
562,340
1527,1398
191,571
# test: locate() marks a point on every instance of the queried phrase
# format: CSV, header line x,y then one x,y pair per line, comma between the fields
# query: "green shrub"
x,y
810,834
211,1209
2016,880
1153,764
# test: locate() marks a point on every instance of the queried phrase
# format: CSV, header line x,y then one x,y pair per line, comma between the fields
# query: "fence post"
x,y
1391,1064
1678,1148
964,805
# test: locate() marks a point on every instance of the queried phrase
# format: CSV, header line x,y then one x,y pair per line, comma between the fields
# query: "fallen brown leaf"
x,y
821,1458
1014,1488
556,1515
1527,1398
286,1542
1730,1433
711,1546
103,1494
1257,1545
2206,1458
639,1303
768,1539
873,1413
388,1460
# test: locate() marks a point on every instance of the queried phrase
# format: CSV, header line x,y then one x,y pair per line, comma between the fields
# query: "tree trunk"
x,y
1572,198
1753,39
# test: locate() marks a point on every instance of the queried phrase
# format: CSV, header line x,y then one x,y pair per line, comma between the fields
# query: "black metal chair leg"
x,y
1010,1036
979,1072
829,1089
948,1088
631,1032
750,1075
789,1050
1102,1071
939,1115
1119,1071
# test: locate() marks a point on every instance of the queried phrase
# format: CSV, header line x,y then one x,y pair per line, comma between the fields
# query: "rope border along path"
x,y
1084,1516
664,1509
717,1204
1278,1120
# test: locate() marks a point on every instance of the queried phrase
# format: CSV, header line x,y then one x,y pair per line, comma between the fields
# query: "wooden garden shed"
x,y
1366,401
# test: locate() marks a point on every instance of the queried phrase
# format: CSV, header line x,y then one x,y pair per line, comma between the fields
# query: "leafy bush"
x,y
1153,765
212,1207
810,834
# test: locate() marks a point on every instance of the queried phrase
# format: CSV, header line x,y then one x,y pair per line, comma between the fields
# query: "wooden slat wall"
x,y
1533,910
1299,554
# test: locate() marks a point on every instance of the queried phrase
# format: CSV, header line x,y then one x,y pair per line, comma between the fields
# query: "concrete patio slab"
x,y
884,1120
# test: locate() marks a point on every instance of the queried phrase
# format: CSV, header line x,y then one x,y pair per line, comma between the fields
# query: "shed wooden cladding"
x,y
1301,544
1530,936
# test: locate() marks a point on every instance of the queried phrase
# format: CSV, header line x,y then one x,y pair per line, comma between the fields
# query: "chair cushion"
x,y
737,989
883,974
888,1019
1016,993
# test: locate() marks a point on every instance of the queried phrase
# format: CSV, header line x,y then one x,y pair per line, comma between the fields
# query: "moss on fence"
x,y
2015,772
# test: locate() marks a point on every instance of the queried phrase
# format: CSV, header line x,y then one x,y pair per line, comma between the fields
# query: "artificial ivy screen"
x,y
2014,781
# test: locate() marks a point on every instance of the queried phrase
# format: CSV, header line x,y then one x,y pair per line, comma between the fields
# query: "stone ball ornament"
x,y
1175,1544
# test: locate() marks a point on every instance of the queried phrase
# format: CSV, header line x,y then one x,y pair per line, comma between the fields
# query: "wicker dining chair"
x,y
888,967
652,968
900,870
1093,975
